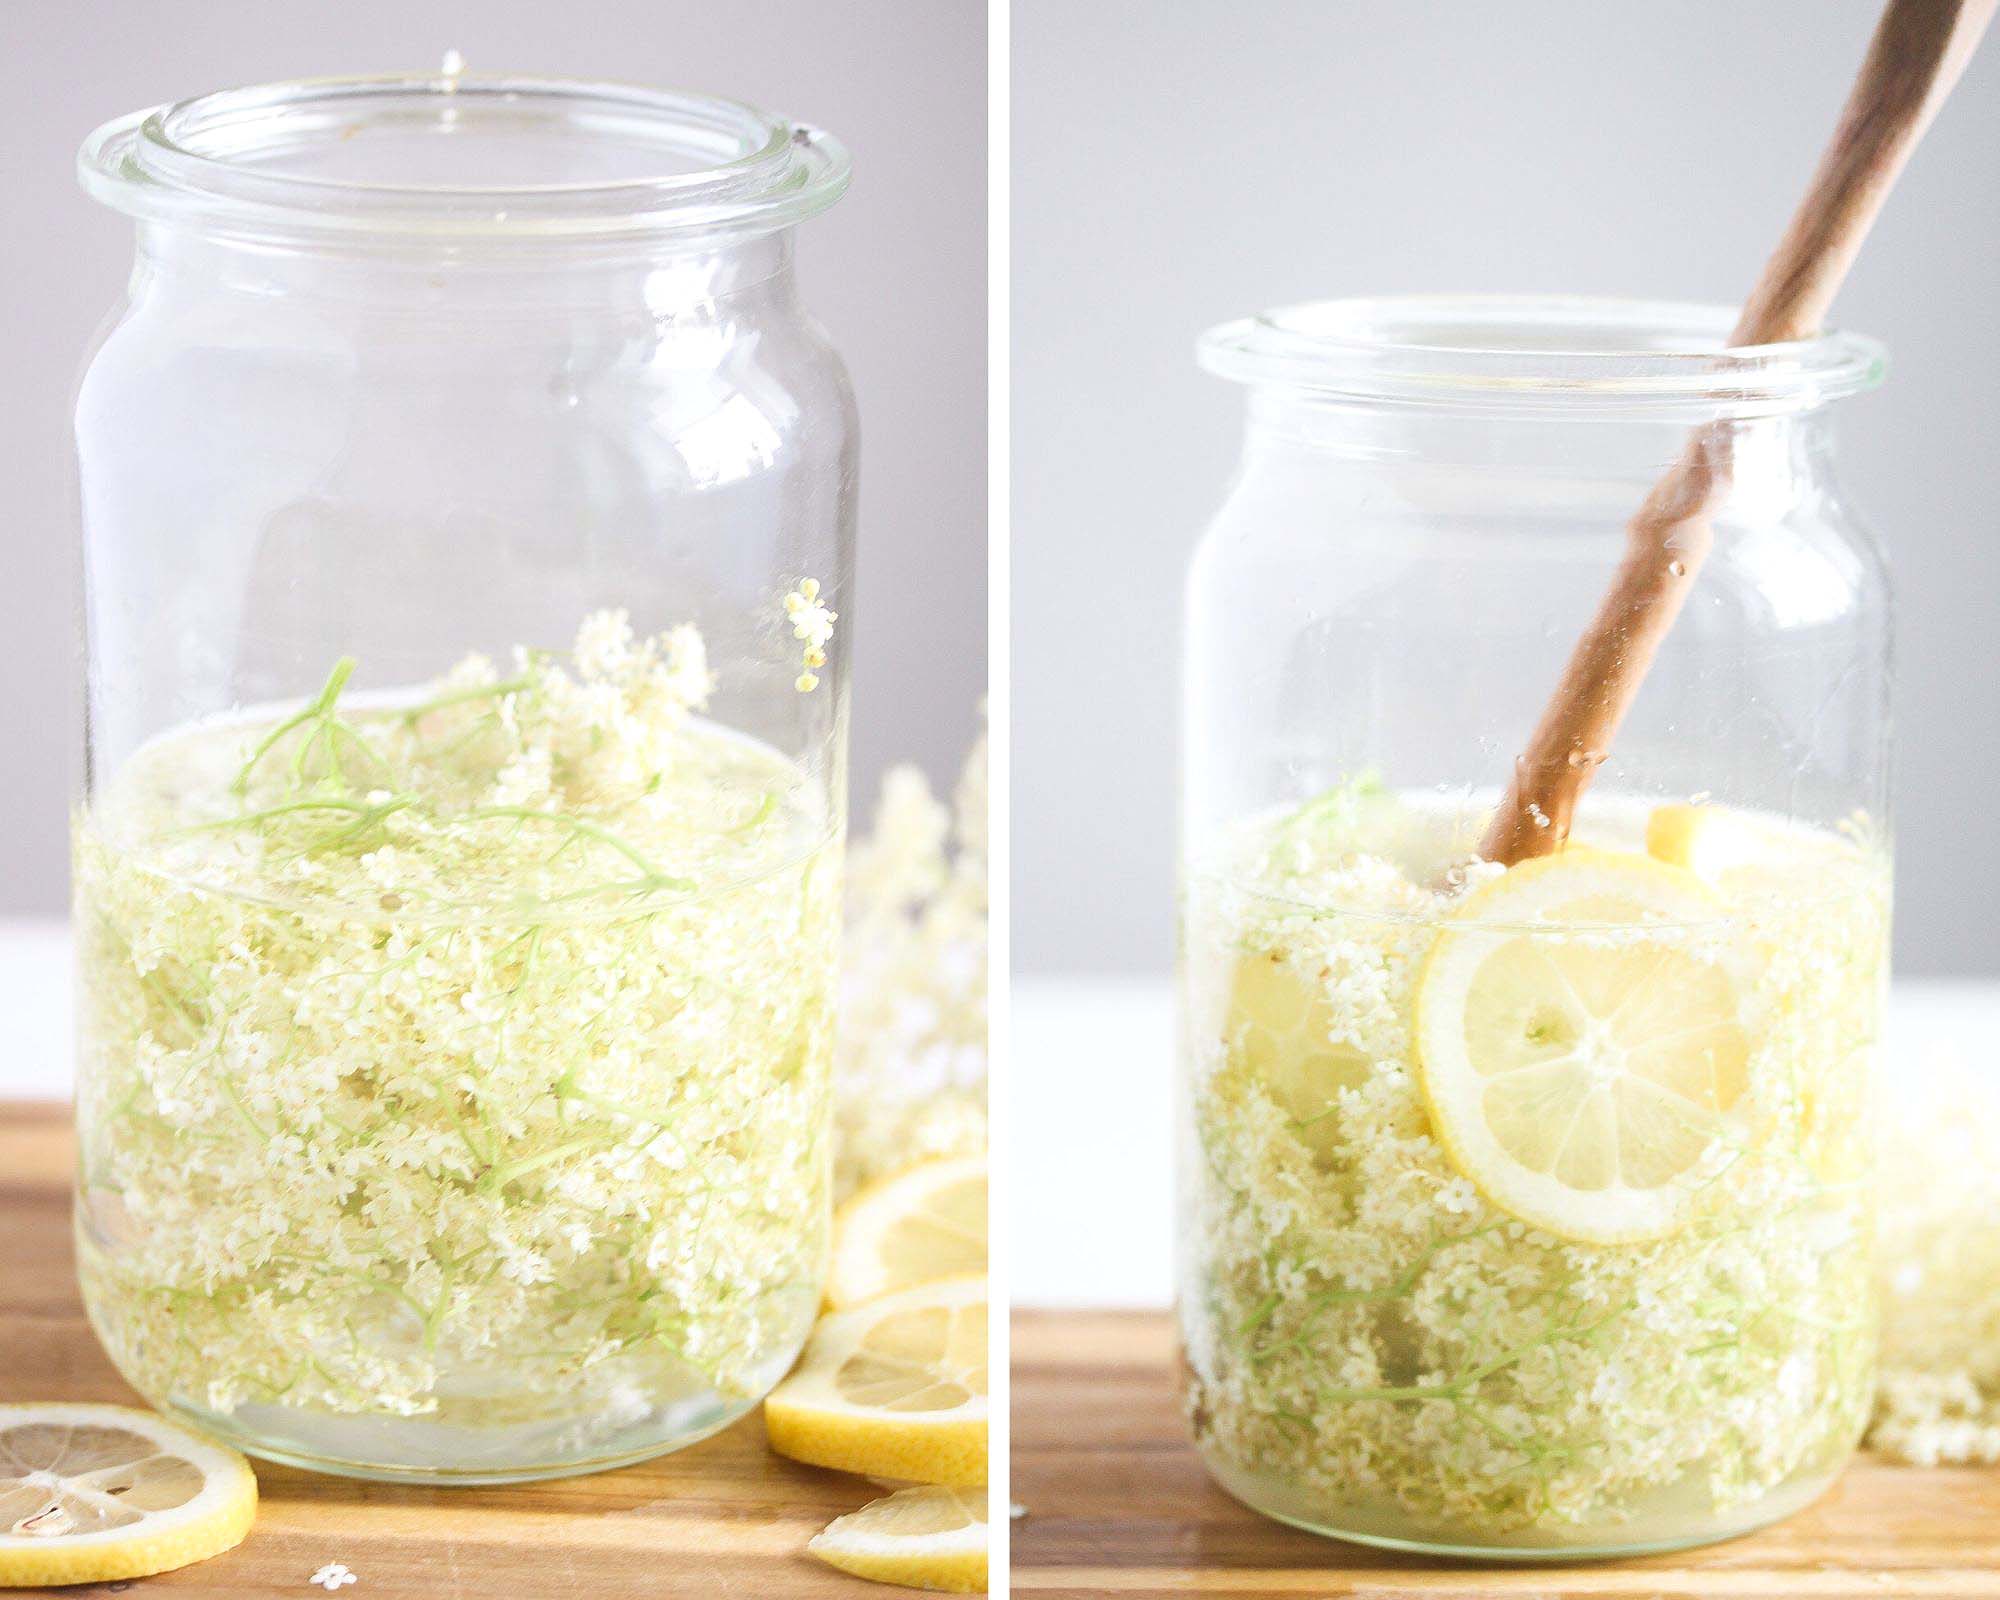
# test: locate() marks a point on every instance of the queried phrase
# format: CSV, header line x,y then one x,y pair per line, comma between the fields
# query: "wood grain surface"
x,y
1117,1505
723,1518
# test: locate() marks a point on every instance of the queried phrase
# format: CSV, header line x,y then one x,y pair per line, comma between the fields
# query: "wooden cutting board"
x,y
1118,1506
723,1518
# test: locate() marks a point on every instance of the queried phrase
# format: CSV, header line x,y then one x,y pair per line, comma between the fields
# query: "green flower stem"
x,y
1403,1284
329,732
768,805
585,829
459,697
1461,1388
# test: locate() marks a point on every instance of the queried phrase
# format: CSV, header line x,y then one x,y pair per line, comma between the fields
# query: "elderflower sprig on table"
x,y
1939,1400
911,1072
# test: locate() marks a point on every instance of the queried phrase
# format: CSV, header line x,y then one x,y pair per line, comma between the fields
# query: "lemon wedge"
x,y
96,1494
914,1226
923,1538
1581,1044
1709,841
895,1388
1279,1028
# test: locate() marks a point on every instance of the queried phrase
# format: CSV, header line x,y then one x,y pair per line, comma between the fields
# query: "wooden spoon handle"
x,y
1919,49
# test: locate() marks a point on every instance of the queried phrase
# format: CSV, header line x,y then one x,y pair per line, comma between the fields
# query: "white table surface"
x,y
34,1010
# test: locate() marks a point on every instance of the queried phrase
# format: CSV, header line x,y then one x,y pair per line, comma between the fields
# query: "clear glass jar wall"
x,y
468,506
1525,1210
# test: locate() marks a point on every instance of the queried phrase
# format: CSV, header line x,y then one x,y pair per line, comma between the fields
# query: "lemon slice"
x,y
1581,1044
94,1494
895,1388
922,1538
1280,1029
915,1226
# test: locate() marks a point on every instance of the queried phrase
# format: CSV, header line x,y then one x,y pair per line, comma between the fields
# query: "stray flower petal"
x,y
813,623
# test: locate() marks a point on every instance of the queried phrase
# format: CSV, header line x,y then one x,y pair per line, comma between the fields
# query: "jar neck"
x,y
429,280
1777,459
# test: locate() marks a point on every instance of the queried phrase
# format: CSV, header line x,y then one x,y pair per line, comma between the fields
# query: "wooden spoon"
x,y
1918,52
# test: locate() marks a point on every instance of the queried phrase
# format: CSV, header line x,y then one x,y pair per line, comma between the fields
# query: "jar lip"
x,y
671,164
1482,352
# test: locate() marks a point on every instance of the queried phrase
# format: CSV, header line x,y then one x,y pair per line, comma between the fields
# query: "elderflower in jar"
x,y
1526,1208
467,501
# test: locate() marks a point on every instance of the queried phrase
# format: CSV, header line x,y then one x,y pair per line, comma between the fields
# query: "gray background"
x,y
897,271
1177,164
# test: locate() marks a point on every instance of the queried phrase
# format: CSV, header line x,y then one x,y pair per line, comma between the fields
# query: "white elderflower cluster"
x,y
912,1067
1372,1346
813,623
463,1057
1939,1401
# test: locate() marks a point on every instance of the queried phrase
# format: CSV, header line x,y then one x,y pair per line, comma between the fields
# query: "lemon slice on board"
x,y
94,1494
923,1538
1581,1044
895,1388
914,1226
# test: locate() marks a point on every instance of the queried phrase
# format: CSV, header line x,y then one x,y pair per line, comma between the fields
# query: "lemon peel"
x,y
895,1388
928,1537
915,1226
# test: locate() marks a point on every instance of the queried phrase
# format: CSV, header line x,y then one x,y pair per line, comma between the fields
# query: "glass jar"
x,y
1525,1209
467,501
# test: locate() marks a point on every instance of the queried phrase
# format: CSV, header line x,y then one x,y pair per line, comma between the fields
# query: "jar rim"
x,y
1529,352
701,166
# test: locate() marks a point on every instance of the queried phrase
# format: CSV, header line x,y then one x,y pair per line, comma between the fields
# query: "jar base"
x,y
438,1454
1641,1537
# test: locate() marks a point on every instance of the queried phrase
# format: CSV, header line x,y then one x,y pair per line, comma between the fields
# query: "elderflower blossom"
x,y
813,623
1939,1400
910,1075
1373,1347
461,1060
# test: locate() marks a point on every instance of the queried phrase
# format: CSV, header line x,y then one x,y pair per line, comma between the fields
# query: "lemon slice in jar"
x,y
1582,1047
923,1223
1280,1028
895,1388
97,1494
922,1538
